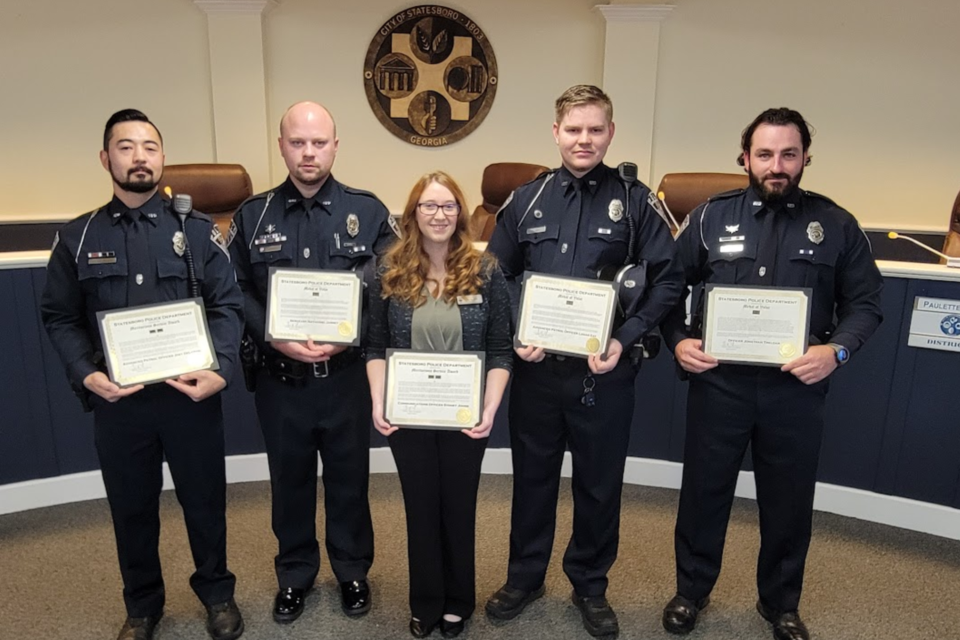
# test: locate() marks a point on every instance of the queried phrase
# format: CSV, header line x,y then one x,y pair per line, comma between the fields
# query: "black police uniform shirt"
x,y
815,244
560,225
339,228
91,270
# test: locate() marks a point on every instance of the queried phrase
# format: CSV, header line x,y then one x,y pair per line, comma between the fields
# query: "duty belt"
x,y
294,372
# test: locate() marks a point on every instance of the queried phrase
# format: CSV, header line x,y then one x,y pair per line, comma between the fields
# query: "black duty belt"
x,y
294,372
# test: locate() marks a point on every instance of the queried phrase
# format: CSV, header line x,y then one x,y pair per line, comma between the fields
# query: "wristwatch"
x,y
842,354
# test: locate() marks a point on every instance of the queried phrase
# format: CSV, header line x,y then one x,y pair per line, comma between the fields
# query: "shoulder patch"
x,y
726,194
217,238
684,225
56,241
394,225
657,206
231,232
505,203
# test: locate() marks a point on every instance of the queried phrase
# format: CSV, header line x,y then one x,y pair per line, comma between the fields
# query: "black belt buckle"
x,y
321,369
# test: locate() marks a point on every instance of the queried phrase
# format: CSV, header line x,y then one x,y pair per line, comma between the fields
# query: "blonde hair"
x,y
583,94
406,264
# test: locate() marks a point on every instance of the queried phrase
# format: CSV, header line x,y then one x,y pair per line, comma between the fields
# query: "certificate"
x,y
433,390
312,304
753,325
571,316
155,342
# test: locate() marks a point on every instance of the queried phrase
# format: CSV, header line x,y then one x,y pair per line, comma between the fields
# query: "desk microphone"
x,y
951,262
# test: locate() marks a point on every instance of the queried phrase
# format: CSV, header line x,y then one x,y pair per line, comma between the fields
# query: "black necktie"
x,y
139,278
766,264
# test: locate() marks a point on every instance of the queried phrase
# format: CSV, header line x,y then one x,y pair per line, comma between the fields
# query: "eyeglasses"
x,y
430,208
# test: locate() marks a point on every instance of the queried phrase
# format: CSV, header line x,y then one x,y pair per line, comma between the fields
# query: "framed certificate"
x,y
754,325
430,390
570,316
155,342
314,304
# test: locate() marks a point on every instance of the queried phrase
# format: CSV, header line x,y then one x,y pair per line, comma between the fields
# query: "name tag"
x,y
267,239
270,248
604,232
806,252
533,230
474,299
732,239
102,257
731,248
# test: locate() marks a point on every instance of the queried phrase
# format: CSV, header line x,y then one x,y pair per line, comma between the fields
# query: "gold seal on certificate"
x,y
143,345
570,316
754,325
323,306
430,390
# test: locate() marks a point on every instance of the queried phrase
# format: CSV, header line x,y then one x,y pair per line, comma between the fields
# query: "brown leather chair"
x,y
951,244
216,189
682,192
499,180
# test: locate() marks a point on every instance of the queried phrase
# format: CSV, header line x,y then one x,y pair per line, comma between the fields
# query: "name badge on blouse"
x,y
474,299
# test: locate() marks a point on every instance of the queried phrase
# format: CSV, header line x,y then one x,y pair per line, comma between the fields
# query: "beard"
x,y
774,195
135,184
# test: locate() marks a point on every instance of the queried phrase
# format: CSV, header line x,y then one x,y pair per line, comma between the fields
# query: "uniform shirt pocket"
x,y
172,278
812,265
104,284
731,261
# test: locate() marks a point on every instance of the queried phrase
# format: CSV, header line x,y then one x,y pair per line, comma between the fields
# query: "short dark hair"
x,y
126,115
779,117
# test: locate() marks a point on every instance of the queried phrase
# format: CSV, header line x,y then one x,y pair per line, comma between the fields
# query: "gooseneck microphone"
x,y
952,262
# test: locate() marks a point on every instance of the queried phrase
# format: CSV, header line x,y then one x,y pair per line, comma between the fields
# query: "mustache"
x,y
144,169
776,176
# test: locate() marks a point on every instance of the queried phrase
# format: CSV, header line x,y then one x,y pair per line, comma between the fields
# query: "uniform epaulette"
x,y
200,215
360,192
726,194
254,197
822,197
542,176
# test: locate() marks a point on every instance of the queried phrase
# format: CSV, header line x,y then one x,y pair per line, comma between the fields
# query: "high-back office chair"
x,y
951,244
682,192
499,180
216,189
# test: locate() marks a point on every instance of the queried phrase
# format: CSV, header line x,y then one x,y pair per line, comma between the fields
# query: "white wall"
x,y
878,80
66,65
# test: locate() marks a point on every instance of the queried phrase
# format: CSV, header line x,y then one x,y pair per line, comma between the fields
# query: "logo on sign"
x,y
950,325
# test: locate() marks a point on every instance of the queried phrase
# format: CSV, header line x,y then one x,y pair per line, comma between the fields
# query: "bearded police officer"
x,y
772,234
576,221
137,250
312,397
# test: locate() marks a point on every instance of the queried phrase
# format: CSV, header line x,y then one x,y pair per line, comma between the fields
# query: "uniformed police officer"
x,y
310,396
772,234
576,221
127,253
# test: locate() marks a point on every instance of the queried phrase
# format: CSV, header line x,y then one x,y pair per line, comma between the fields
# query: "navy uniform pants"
x,y
440,474
133,436
546,418
330,415
729,408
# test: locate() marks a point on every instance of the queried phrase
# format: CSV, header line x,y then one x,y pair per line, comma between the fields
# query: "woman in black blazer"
x,y
435,292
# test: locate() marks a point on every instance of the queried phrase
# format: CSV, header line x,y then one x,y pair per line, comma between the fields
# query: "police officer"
x,y
576,221
312,397
134,251
771,235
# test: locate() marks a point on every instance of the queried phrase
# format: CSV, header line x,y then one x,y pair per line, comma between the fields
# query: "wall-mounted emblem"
x,y
430,75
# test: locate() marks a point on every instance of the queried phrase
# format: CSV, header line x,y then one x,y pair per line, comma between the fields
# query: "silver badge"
x,y
815,232
306,252
179,243
139,278
537,214
732,228
615,210
763,271
353,225
270,228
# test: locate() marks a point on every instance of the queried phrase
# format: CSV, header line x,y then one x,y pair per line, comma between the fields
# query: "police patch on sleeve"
x,y
231,233
217,238
394,225
684,225
654,202
56,241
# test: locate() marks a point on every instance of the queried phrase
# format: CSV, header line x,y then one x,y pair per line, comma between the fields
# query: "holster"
x,y
250,361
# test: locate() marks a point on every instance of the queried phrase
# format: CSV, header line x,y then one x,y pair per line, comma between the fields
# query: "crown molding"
x,y
234,6
634,12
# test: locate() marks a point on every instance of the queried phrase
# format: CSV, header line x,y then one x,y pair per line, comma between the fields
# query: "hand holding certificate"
x,y
323,306
751,325
156,342
434,390
570,316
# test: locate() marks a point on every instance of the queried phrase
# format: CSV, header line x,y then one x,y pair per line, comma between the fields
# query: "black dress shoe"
x,y
355,597
451,629
139,628
420,630
599,619
224,621
508,603
786,625
288,605
680,614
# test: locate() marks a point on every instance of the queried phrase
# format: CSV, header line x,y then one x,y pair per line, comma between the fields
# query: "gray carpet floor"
x,y
59,579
